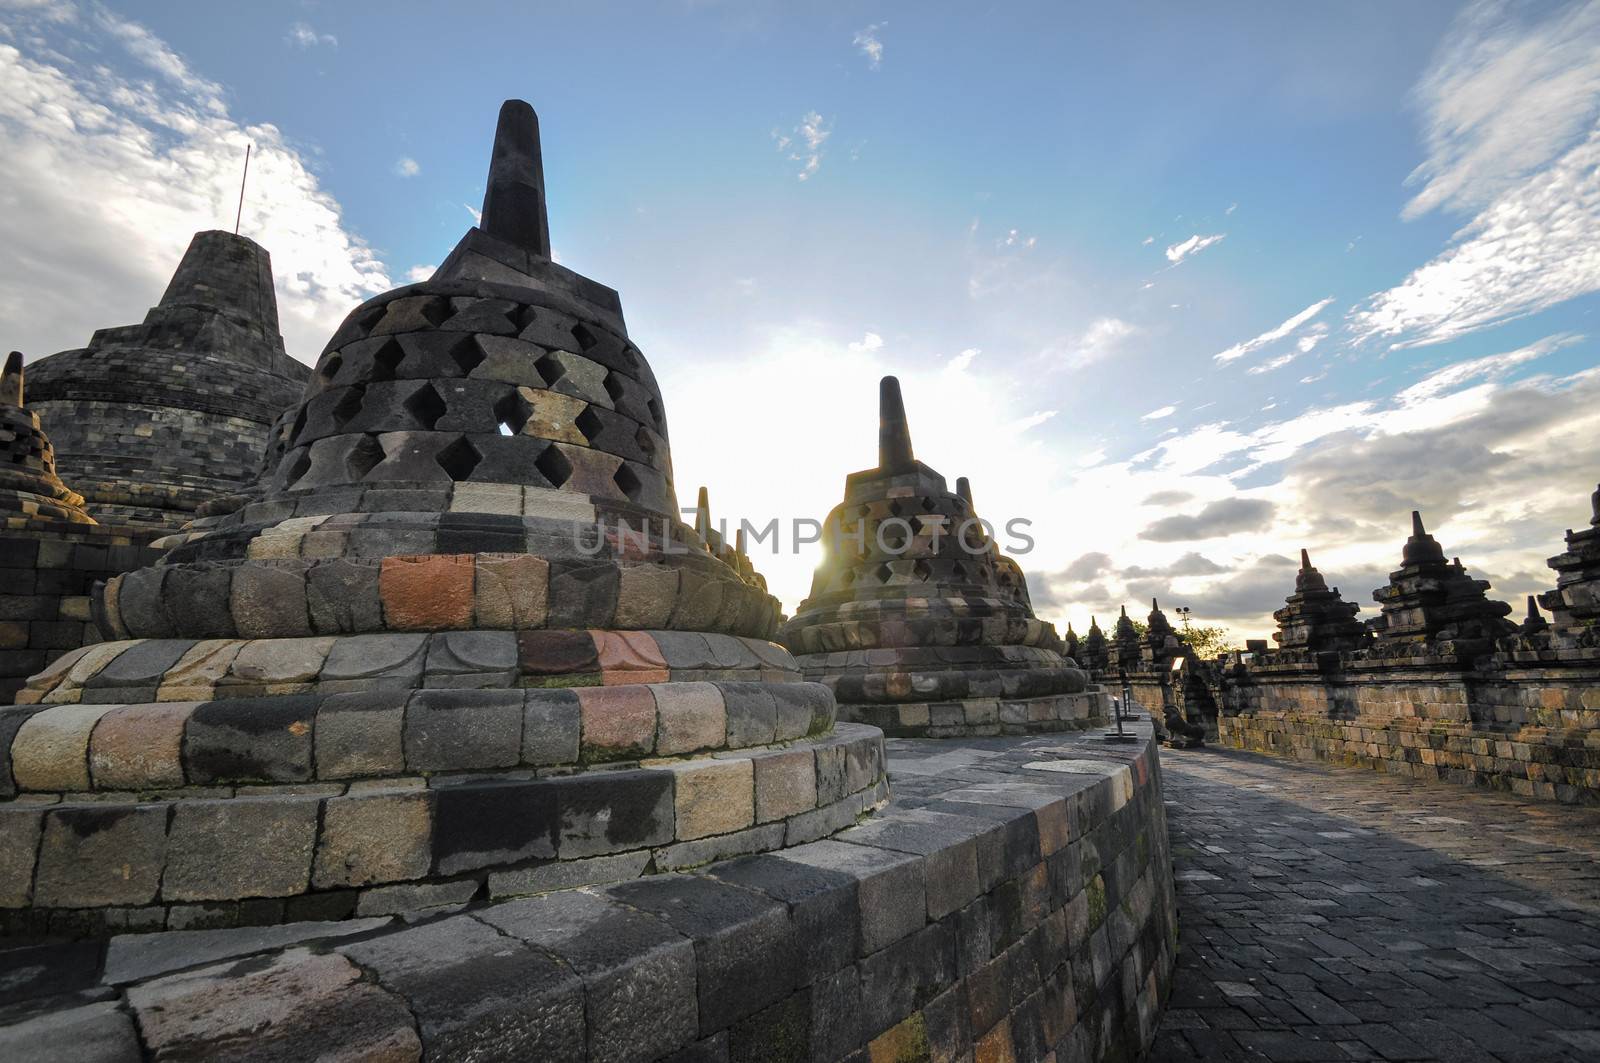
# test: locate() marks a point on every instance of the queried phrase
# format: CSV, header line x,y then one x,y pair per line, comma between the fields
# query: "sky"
x,y
1188,288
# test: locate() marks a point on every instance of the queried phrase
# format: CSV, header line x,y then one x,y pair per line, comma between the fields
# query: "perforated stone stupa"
x,y
458,645
151,421
914,622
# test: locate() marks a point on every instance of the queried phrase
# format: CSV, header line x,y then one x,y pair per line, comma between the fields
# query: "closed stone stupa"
x,y
1315,619
1429,599
457,646
917,622
151,421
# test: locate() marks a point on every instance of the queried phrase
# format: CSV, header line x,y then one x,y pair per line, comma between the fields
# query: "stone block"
x,y
566,874
407,897
269,601
487,498
374,837
278,666
137,957
198,598
427,593
197,673
489,824
948,845
144,665
680,856
240,847
802,709
747,953
632,965
462,730
613,811
691,717
471,659
823,904
583,593
342,596
646,596
284,1008
685,651
512,591
619,723
557,653
140,746
699,601
713,797
20,829
97,855
250,740
140,604
551,727
629,657
752,714
360,734
786,784
375,662
890,887
478,994
93,1033
51,750
913,969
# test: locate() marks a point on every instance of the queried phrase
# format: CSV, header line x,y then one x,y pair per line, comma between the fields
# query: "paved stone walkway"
x,y
1332,913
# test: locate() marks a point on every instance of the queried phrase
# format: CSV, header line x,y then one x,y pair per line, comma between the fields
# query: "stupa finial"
x,y
1305,560
11,380
964,489
514,203
894,435
702,515
1417,530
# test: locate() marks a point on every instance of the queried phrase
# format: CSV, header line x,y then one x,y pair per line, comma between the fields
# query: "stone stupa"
x,y
1431,600
457,646
914,621
153,420
1315,619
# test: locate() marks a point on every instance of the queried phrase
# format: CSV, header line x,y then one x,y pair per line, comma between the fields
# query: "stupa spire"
x,y
514,203
894,434
964,490
11,380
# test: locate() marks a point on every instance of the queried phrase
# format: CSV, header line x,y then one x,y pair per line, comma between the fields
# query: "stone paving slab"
x,y
1330,913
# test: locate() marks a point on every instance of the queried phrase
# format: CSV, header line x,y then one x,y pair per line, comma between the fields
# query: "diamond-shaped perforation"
x,y
348,406
895,508
629,483
585,338
363,457
331,366
468,354
589,423
511,412
615,388
550,368
849,577
928,505
386,360
300,466
959,571
883,572
655,412
369,320
459,459
646,442
299,422
426,406
438,310
554,466
922,571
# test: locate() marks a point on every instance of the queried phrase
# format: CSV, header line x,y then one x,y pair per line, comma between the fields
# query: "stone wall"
x,y
1531,728
47,574
1014,901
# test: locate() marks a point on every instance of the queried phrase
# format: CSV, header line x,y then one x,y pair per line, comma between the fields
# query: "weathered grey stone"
x,y
287,1008
375,662
20,829
454,730
250,739
612,811
135,957
415,897
822,902
94,1033
632,965
93,855
360,734
374,837
240,847
786,783
269,601
488,824
471,659
478,994
565,874
551,727
890,887
342,597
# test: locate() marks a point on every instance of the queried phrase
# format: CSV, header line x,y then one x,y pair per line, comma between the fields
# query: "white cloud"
x,y
406,166
1272,363
1231,208
962,361
806,141
1099,341
868,44
1272,335
302,35
477,215
108,176
1192,246
1147,241
418,274
1159,412
867,343
1510,107
1504,96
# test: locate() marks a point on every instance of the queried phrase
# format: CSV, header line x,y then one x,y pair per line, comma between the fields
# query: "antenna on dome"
x,y
242,177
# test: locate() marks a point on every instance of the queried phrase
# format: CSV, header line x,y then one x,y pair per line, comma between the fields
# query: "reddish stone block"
x,y
618,722
629,657
427,593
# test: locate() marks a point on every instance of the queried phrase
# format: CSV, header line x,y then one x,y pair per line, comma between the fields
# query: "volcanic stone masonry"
x,y
1440,685
150,421
917,622
52,552
327,793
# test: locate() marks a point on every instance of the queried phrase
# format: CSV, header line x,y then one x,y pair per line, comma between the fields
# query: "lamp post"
x,y
1119,735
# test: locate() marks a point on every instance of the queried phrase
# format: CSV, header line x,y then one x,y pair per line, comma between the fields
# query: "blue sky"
x,y
1188,288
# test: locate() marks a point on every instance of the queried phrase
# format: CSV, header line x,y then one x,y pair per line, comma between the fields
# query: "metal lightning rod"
x,y
242,178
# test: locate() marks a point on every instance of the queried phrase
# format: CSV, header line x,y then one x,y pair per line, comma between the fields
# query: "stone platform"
x,y
1014,900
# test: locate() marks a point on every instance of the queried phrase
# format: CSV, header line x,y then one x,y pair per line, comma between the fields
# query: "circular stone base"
x,y
984,716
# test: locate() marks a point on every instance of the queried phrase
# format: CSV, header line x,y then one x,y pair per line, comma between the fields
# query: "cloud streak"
x,y
1177,252
1272,335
